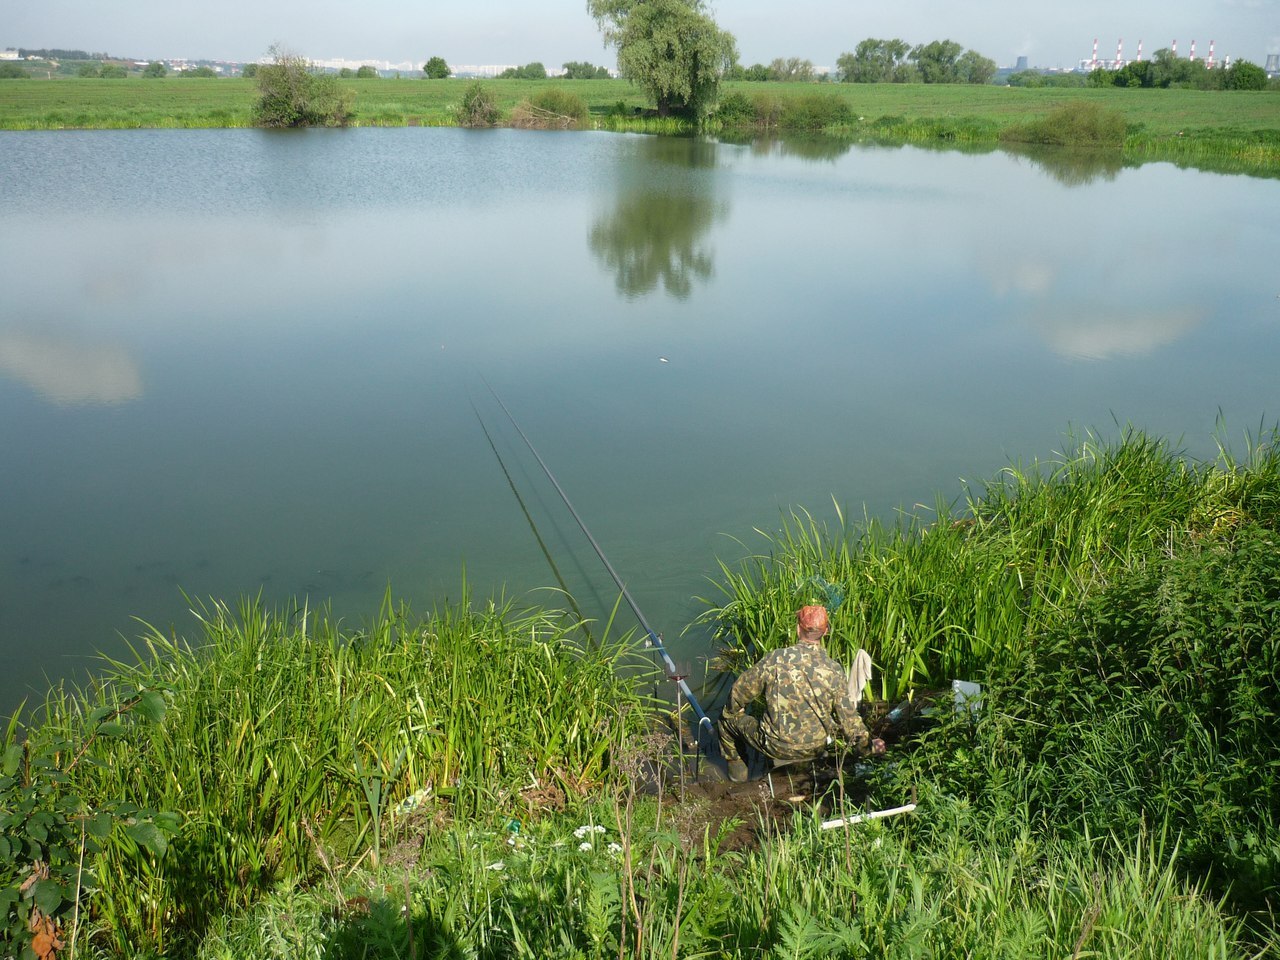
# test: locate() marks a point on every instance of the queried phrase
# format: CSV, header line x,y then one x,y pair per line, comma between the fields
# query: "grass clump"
x,y
551,108
1075,123
287,744
478,107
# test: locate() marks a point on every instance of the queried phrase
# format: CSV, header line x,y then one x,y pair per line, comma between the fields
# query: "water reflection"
x,y
813,147
1111,335
68,371
656,233
1072,167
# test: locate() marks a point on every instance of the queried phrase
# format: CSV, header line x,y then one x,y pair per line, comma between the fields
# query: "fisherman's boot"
x,y
737,771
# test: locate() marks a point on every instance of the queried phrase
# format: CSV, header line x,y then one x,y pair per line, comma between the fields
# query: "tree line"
x,y
1166,70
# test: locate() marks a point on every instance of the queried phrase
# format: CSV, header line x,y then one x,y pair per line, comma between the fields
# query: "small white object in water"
x,y
664,360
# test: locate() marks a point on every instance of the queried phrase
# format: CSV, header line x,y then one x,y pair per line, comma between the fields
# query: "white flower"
x,y
615,848
585,845
496,865
587,828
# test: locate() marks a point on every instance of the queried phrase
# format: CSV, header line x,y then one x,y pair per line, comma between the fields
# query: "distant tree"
x,y
530,71
937,60
367,73
154,69
873,61
575,70
294,95
1243,75
673,49
11,71
113,71
436,69
1169,70
973,67
1026,78
89,70
1139,73
1101,77
205,72
791,69
756,73
346,73
249,71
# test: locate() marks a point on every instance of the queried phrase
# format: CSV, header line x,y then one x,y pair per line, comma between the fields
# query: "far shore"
x,y
1238,130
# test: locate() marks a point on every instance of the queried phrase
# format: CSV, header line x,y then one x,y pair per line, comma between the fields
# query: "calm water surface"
x,y
242,362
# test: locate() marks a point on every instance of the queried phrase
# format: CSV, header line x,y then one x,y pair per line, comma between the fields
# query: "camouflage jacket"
x,y
806,700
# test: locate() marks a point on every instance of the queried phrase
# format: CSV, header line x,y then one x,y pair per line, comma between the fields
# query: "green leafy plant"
x,y
51,833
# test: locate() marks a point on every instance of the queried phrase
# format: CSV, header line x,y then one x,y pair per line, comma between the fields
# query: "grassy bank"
x,y
480,783
279,745
1188,126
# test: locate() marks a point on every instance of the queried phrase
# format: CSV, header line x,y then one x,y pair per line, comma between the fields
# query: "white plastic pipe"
x,y
878,814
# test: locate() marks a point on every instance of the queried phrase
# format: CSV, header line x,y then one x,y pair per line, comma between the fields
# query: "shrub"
x,y
735,110
815,111
479,107
1077,123
11,71
293,95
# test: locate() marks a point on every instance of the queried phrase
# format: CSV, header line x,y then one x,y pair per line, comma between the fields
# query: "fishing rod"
x,y
654,638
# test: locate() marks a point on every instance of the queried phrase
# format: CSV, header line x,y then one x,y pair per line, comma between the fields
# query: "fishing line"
x,y
653,638
537,535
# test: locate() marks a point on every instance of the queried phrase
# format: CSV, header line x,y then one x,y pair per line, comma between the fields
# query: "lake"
x,y
240,363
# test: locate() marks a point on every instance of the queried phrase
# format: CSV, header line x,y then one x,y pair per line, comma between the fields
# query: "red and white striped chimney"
x,y
1139,51
1209,64
1120,53
1093,64
1193,51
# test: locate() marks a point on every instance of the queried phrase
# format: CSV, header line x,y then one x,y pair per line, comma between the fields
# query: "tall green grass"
x,y
963,590
287,741
803,894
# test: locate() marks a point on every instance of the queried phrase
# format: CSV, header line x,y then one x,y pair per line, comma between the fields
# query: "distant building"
x,y
8,54
1273,65
1020,65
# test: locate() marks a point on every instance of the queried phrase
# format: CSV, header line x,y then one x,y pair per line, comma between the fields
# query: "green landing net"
x,y
829,594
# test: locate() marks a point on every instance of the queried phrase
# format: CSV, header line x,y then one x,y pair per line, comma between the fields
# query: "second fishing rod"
x,y
653,637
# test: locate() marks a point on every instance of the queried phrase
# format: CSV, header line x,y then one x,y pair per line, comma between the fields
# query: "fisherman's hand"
x,y
877,747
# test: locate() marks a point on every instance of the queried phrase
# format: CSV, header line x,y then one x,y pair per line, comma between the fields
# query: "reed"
x,y
961,591
286,741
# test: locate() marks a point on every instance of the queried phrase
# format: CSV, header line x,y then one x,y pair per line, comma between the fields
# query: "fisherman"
x,y
807,702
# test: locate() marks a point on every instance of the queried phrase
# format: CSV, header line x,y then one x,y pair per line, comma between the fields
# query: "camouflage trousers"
x,y
739,731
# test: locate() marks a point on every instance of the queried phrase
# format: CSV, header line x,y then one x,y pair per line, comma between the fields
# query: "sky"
x,y
481,32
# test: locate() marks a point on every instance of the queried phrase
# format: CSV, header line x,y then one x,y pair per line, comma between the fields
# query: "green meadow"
x,y
491,782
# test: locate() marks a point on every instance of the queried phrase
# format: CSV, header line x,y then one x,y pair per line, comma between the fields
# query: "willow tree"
x,y
670,48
